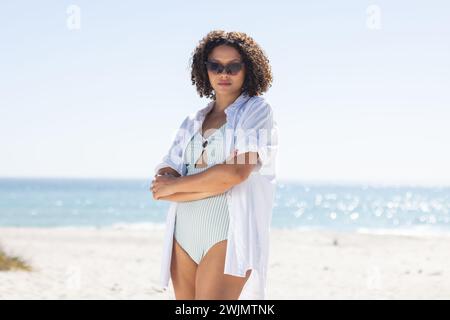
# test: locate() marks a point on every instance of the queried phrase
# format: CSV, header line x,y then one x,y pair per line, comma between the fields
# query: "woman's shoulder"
x,y
200,111
257,104
195,115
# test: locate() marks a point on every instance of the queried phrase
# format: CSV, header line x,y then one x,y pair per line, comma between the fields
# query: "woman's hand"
x,y
163,185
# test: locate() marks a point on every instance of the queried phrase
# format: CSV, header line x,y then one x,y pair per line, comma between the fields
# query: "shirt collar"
x,y
242,99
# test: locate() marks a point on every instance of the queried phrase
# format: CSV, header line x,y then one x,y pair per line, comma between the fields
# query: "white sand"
x,y
88,263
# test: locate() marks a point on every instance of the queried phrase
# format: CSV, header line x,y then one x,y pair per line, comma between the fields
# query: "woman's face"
x,y
224,55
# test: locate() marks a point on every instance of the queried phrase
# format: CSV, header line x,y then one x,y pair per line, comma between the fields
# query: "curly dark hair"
x,y
258,76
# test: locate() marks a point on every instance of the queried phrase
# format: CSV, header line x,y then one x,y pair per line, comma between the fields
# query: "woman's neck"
x,y
223,101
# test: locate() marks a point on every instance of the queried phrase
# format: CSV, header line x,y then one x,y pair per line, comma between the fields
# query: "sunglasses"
x,y
231,68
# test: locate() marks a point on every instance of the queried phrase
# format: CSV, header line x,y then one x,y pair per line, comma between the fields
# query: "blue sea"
x,y
107,202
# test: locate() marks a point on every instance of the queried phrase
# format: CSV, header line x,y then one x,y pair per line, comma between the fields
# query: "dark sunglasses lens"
x,y
214,67
234,68
217,68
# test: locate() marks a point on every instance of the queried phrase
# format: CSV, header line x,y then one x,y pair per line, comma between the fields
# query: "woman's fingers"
x,y
154,189
162,192
152,184
160,185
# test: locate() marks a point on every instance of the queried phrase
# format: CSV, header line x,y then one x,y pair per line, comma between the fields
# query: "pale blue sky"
x,y
352,104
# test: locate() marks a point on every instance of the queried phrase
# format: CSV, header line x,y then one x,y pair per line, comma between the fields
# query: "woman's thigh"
x,y
211,282
183,270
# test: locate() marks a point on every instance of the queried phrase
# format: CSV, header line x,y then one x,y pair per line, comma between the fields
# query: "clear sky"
x,y
360,93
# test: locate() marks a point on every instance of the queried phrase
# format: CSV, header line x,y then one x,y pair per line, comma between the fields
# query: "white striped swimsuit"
x,y
199,224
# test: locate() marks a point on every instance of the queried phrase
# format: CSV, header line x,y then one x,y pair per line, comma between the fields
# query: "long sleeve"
x,y
258,132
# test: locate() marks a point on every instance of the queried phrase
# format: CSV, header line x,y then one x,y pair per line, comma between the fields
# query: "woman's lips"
x,y
224,83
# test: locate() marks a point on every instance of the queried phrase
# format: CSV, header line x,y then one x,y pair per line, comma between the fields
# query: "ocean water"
x,y
104,202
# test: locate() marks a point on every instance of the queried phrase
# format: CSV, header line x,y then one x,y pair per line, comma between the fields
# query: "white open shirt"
x,y
250,127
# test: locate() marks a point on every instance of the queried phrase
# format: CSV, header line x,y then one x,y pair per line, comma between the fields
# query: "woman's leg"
x,y
211,282
183,270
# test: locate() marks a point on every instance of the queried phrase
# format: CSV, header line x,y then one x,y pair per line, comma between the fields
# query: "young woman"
x,y
219,176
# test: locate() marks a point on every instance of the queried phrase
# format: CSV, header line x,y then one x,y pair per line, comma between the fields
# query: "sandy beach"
x,y
124,263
